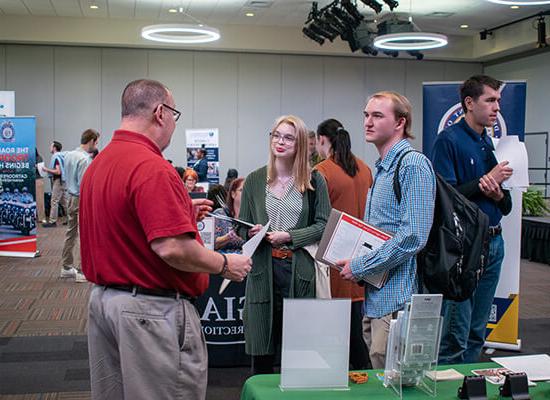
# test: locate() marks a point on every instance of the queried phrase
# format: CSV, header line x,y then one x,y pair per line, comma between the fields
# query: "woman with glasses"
x,y
295,201
348,181
190,179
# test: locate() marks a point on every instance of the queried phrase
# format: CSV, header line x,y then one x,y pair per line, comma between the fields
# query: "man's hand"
x,y
277,238
490,188
253,231
201,207
238,266
501,172
345,270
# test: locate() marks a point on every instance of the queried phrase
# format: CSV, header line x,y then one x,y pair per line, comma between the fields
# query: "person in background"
x,y
348,181
180,171
190,179
388,125
227,239
313,156
57,176
463,155
76,163
39,182
232,174
295,201
215,193
201,166
142,250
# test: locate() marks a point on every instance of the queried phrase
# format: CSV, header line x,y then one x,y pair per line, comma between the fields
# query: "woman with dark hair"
x,y
216,192
232,174
348,181
227,240
295,201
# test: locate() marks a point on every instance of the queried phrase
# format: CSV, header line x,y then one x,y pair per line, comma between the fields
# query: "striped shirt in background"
x,y
283,212
410,221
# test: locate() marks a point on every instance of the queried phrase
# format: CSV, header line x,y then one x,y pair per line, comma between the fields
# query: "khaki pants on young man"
x,y
71,236
375,333
58,197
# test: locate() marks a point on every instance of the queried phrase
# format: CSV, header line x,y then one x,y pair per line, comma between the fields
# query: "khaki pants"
x,y
375,333
41,213
71,236
145,347
58,197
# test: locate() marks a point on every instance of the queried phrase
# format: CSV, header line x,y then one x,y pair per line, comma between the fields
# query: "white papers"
x,y
248,249
537,367
347,237
206,232
41,172
510,149
445,375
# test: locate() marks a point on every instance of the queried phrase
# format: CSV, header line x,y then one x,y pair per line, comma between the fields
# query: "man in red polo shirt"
x,y
141,248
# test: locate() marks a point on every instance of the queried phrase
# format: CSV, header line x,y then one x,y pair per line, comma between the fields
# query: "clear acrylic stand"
x,y
315,349
412,351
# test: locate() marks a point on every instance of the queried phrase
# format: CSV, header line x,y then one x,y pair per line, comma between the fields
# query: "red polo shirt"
x,y
130,196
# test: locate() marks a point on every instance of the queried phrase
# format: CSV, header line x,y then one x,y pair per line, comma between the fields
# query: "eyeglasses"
x,y
176,113
287,139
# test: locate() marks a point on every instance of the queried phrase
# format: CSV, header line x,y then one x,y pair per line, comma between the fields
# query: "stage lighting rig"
x,y
321,29
312,35
391,4
415,53
352,10
391,53
376,6
541,33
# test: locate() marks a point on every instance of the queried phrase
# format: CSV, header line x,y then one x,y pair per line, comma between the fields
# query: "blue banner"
x,y
17,186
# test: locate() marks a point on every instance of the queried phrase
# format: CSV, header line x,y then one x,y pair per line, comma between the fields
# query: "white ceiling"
x,y
478,14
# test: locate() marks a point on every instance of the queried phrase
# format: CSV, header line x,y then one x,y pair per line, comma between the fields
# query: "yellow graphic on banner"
x,y
506,329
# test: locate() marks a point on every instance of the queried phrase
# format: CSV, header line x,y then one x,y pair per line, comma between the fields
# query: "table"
x,y
266,387
535,239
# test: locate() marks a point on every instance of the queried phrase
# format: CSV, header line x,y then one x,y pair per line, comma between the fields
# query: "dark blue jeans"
x,y
464,322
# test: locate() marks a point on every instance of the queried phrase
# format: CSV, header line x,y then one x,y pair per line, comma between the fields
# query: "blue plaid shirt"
x,y
410,221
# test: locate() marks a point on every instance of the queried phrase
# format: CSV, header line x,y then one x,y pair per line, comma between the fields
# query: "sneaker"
x,y
49,225
68,273
80,278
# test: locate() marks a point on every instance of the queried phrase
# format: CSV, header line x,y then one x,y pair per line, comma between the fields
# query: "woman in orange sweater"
x,y
348,180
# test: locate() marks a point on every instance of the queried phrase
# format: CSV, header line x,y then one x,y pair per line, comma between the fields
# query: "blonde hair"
x,y
401,108
301,170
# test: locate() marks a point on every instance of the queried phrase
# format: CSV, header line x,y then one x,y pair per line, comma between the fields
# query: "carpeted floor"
x,y
43,349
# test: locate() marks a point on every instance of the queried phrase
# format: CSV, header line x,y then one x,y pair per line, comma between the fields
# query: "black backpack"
x,y
454,257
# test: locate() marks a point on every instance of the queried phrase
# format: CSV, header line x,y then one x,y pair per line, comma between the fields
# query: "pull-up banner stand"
x,y
17,186
442,108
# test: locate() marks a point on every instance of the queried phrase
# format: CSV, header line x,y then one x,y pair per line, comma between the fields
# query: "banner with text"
x,y
442,108
17,187
207,139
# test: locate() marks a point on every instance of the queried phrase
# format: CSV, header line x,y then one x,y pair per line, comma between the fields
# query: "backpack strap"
x,y
311,198
396,183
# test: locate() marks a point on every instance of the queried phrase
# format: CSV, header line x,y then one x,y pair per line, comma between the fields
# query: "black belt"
x,y
135,290
495,230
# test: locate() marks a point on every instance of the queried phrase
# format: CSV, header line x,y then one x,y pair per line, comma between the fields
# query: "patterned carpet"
x,y
43,349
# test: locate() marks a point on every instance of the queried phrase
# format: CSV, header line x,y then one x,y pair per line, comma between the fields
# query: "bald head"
x,y
140,97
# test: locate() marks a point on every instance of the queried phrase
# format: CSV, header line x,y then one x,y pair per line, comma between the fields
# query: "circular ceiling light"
x,y
520,2
180,33
410,41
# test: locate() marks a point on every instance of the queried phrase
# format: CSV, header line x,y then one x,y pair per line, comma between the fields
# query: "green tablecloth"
x,y
266,387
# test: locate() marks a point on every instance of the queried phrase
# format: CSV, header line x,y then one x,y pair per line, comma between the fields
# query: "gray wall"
x,y
70,89
536,72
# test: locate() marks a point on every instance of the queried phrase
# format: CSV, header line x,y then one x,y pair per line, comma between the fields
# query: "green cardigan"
x,y
258,306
